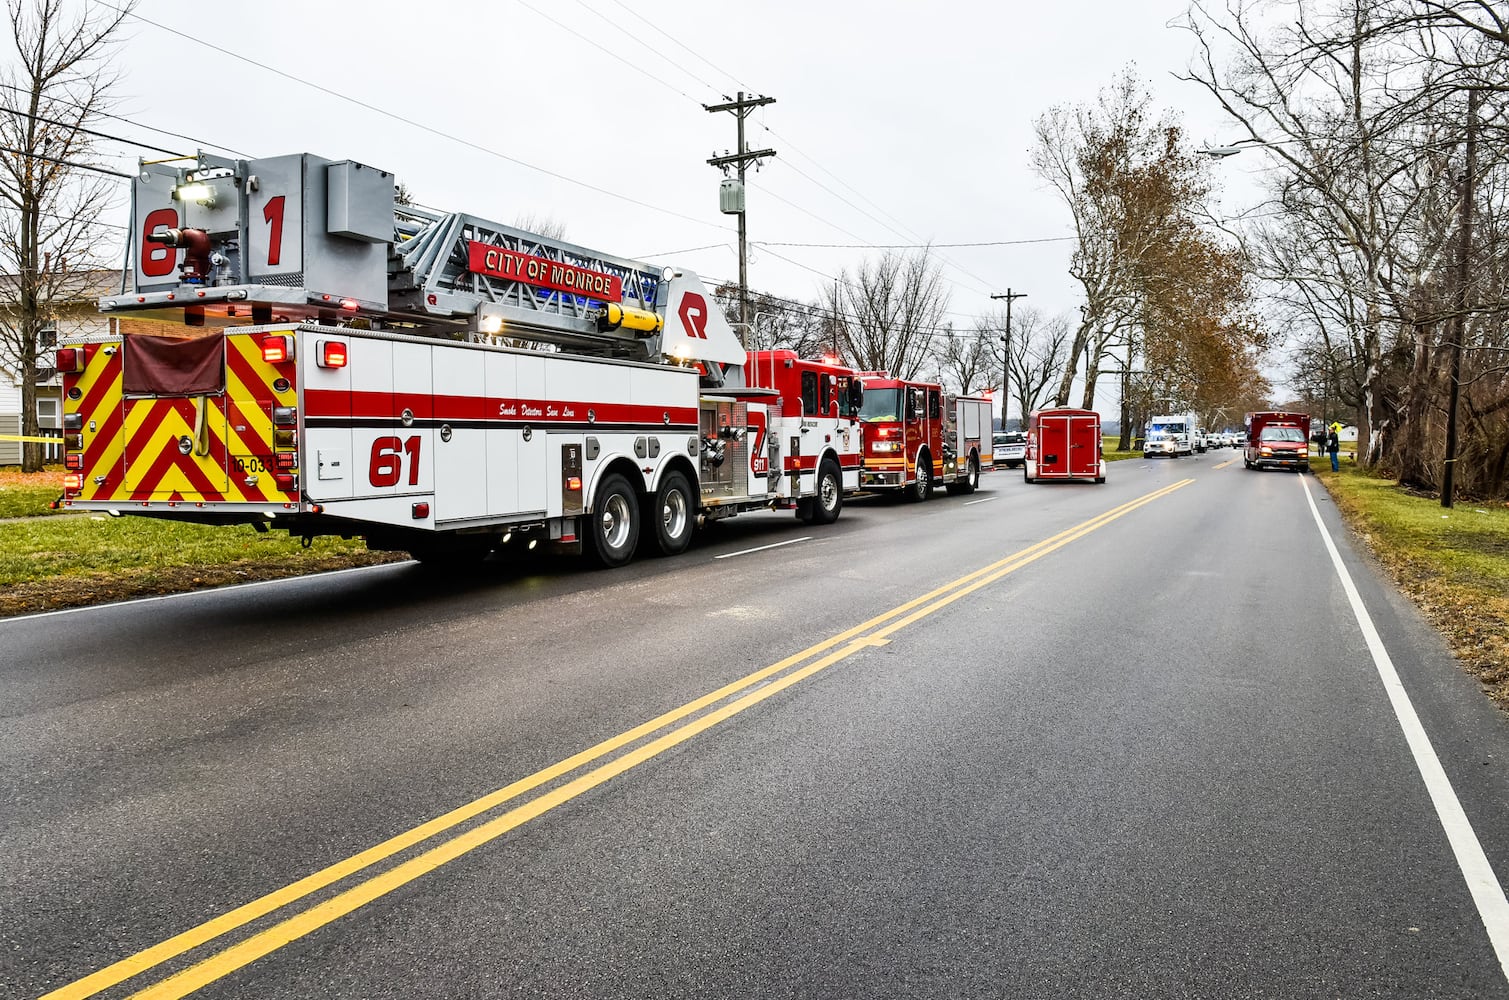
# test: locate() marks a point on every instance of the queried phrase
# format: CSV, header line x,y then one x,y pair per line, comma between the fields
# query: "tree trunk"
x,y
1413,470
31,452
1071,366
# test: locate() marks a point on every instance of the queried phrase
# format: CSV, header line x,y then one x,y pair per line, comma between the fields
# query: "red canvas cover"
x,y
173,366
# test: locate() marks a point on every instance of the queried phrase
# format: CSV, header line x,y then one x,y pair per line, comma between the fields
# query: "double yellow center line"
x,y
701,712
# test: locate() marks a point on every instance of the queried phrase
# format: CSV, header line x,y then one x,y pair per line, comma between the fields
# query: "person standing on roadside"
x,y
1333,445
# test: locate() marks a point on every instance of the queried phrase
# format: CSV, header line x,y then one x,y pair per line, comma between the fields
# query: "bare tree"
x,y
1039,351
890,311
541,225
779,324
969,361
50,202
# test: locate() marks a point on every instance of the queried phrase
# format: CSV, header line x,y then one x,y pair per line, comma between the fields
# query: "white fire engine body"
x,y
336,364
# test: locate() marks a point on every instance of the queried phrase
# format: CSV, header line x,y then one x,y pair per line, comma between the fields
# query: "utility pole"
x,y
740,107
1006,367
1459,323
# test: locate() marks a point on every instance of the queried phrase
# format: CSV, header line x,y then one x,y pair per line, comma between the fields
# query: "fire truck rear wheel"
x,y
824,508
613,527
674,523
970,482
923,487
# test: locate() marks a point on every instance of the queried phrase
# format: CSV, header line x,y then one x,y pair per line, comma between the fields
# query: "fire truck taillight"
x,y
332,354
74,463
285,459
286,483
70,360
284,420
277,348
421,511
73,482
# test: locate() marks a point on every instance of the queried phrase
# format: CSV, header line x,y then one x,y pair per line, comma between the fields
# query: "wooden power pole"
x,y
740,107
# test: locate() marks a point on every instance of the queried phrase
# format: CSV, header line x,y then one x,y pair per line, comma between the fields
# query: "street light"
x,y
1006,362
1221,152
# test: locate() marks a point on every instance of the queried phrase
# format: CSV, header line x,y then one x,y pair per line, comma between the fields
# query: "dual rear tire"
x,y
614,527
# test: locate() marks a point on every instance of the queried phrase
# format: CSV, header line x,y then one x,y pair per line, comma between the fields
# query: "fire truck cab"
x,y
812,441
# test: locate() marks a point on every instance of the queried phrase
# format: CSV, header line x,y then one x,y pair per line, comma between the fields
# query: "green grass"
x,y
41,549
1108,450
1467,544
1453,562
28,501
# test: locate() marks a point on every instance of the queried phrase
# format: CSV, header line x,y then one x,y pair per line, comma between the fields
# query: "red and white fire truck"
x,y
917,437
291,349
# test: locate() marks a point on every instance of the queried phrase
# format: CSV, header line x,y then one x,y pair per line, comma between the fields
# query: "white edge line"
x,y
762,548
969,503
1486,891
200,591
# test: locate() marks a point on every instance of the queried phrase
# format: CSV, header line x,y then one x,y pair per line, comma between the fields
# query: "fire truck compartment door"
x,y
463,458
176,447
515,468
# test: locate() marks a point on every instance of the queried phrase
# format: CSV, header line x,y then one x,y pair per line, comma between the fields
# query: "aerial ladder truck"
x,y
293,350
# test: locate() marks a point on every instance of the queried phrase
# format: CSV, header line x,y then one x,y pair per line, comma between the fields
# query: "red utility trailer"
x,y
1064,444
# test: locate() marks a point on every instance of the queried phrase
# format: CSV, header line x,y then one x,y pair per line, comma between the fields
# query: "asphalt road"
x,y
1052,741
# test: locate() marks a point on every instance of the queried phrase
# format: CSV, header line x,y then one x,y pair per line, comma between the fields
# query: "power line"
x,y
129,121
415,124
922,246
605,50
907,233
65,163
89,131
693,52
629,31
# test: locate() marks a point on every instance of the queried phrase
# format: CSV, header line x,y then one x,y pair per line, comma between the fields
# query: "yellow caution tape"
x,y
38,440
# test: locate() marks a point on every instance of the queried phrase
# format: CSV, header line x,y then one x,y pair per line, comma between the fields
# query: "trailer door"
x,y
1053,446
1084,456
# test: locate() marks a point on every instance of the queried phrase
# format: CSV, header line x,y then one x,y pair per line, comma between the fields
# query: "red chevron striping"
x,y
169,457
108,382
250,377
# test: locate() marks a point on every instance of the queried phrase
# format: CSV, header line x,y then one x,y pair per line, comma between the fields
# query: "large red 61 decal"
x,y
386,465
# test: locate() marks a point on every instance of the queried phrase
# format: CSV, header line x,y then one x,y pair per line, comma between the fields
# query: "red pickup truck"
x,y
1278,441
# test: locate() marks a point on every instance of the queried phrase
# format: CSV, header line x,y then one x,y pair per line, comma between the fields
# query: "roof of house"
x,y
80,288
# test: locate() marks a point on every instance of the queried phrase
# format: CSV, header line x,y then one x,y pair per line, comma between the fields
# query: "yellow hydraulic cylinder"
x,y
616,316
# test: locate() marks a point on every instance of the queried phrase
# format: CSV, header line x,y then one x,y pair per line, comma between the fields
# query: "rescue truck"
x,y
917,437
293,350
1277,441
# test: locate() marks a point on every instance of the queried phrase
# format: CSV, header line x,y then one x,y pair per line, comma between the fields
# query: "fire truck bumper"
x,y
883,480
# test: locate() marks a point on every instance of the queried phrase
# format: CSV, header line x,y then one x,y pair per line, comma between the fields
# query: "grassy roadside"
x,y
57,562
28,494
1453,563
1110,454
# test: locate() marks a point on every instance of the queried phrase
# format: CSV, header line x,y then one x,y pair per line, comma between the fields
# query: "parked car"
x,y
1009,448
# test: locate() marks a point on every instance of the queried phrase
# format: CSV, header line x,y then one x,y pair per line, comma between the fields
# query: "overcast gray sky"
x,y
895,122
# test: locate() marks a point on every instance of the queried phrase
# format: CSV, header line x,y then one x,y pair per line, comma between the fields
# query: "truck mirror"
x,y
825,391
856,395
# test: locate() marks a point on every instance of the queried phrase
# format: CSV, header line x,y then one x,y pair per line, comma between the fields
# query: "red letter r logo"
x,y
693,313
